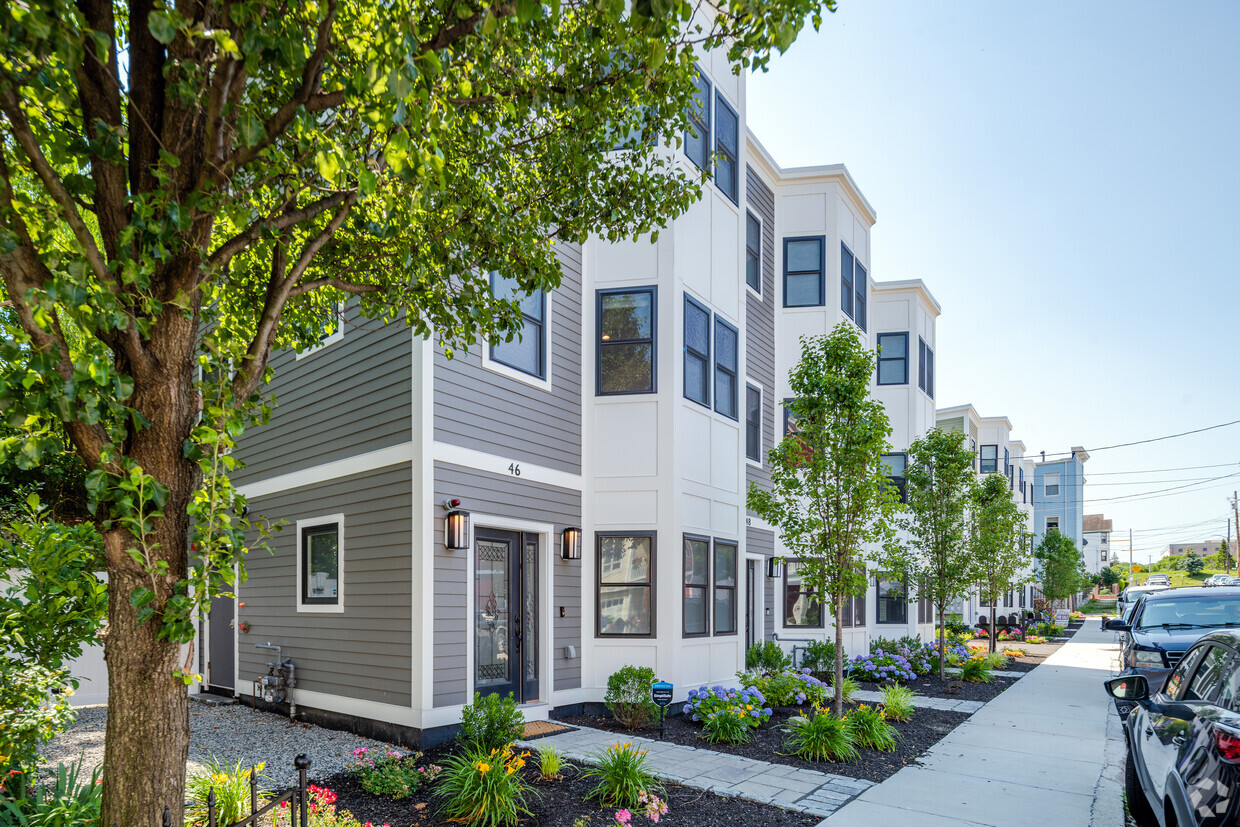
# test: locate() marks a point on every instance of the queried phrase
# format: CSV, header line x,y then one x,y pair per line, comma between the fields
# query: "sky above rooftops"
x,y
1065,179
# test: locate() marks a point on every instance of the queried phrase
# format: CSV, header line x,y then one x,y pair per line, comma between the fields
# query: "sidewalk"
x,y
1035,755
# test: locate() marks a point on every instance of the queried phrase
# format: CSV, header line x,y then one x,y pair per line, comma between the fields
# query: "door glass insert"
x,y
529,634
492,613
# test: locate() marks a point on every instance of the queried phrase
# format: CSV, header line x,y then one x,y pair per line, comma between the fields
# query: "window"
x,y
892,599
726,384
625,585
725,587
697,574
697,352
753,252
527,350
853,286
697,136
1007,463
1051,483
1052,524
801,605
1206,683
727,149
626,351
320,564
803,271
852,612
925,368
990,459
753,423
1022,485
790,419
893,358
895,464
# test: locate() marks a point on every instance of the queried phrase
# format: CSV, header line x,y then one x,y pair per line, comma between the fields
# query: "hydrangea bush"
x,y
881,666
788,687
727,714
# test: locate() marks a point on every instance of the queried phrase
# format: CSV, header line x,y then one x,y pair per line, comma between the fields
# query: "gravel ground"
x,y
230,734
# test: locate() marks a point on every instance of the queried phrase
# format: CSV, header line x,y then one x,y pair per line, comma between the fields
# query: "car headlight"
x,y
1147,658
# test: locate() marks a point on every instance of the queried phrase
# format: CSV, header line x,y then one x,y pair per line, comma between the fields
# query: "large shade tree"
x,y
830,494
240,167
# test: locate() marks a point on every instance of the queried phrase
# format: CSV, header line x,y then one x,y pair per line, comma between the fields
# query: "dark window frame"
x,y
882,359
752,253
861,293
821,271
705,588
693,353
651,585
653,340
880,598
982,460
853,612
542,337
925,367
755,425
715,587
725,154
733,373
900,482
783,603
1046,486
848,262
703,124
332,527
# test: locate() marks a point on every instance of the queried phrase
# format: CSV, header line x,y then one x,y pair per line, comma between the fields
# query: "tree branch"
x,y
331,281
281,221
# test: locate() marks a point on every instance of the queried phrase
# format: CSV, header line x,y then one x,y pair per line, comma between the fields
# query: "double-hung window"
x,y
526,350
803,271
626,347
1051,482
802,606
697,585
853,286
753,423
892,599
726,369
1052,524
625,585
1021,474
753,252
853,614
925,368
320,564
727,149
895,465
697,136
990,459
725,587
697,352
893,358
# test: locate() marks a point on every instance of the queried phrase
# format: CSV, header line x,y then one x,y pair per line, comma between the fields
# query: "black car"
x,y
1164,624
1183,765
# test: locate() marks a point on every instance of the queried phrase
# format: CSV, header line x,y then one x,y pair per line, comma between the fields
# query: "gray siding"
x,y
493,413
351,397
760,323
759,541
513,498
363,652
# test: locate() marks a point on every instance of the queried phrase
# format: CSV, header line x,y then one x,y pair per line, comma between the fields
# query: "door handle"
x,y
1179,740
1149,731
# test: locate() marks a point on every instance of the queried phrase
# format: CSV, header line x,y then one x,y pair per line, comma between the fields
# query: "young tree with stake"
x,y
999,542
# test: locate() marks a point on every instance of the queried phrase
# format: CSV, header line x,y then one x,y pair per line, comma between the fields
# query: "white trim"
x,y
374,710
337,335
358,464
759,523
321,608
503,369
493,464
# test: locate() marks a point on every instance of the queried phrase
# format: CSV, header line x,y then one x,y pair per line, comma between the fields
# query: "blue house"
x,y
1059,496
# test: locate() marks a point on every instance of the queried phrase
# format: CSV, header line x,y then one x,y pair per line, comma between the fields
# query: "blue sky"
x,y
1065,179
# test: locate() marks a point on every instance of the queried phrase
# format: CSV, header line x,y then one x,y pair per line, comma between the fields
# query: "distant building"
x,y
1200,549
1059,496
1096,537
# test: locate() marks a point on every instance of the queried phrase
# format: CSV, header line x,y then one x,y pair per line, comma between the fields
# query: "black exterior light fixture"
x,y
456,526
570,544
774,568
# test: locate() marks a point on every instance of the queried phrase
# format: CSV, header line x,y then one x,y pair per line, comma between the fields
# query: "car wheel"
x,y
1138,805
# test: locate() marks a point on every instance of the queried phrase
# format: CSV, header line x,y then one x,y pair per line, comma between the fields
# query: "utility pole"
x,y
1131,573
1235,510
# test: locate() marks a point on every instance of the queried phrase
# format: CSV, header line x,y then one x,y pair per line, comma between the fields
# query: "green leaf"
x,y
161,26
140,596
328,165
250,129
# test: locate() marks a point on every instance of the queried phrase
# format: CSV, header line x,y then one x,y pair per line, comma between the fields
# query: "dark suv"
x,y
1183,763
1166,623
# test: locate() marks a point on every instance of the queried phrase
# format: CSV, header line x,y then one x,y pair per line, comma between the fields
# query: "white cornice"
x,y
826,173
915,285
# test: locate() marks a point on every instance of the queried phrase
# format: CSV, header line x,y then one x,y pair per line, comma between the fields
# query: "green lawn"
x,y
1180,578
1098,607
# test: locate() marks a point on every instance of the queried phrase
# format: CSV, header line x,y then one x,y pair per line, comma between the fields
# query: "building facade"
x,y
1059,496
1096,543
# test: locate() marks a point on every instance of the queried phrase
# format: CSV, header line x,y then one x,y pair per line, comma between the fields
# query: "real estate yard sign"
x,y
1062,618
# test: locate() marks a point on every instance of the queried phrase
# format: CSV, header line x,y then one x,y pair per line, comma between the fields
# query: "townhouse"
x,y
1059,496
1096,543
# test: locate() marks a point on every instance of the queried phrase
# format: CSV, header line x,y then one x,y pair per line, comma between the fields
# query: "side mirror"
x,y
1116,625
1129,688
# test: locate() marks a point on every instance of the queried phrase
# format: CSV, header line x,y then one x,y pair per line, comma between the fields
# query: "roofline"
x,y
911,284
802,175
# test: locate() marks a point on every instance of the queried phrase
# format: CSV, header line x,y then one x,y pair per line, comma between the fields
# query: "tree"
x,y
938,476
830,493
195,184
1108,576
1060,567
999,542
1193,564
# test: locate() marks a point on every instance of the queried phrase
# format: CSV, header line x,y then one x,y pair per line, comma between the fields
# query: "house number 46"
x,y
514,469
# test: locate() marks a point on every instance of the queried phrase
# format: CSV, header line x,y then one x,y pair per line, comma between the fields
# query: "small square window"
x,y
803,272
893,358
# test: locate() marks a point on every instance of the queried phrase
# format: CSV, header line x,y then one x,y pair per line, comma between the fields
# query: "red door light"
x,y
1228,744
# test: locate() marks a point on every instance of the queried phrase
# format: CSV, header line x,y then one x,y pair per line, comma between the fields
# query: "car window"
x,y
1229,697
1175,682
1206,681
1190,611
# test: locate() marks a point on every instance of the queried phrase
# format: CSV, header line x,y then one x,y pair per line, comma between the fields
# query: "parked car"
x,y
1183,737
1216,580
1166,623
1158,580
1129,596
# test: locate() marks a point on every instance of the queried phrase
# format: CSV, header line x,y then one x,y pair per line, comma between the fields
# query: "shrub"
x,y
975,669
869,728
996,660
1076,616
1010,633
848,688
727,714
820,736
788,687
622,776
491,722
549,763
881,666
61,801
819,656
898,703
767,657
1034,639
955,656
386,772
484,787
1049,630
628,696
323,812
232,792
957,638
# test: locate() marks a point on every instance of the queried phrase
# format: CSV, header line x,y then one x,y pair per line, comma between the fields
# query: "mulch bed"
x,y
561,803
953,688
916,736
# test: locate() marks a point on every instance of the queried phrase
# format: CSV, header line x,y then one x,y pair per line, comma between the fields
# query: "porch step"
x,y
213,700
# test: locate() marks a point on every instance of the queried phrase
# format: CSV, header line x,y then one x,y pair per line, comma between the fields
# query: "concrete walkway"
x,y
1035,755
924,702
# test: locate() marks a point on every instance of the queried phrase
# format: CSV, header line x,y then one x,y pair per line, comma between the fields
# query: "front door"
x,y
752,633
506,613
220,678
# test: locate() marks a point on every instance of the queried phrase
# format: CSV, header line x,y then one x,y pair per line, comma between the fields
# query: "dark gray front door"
x,y
506,613
220,676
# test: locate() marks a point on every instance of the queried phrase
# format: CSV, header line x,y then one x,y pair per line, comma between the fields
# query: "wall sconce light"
x,y
456,526
570,544
774,568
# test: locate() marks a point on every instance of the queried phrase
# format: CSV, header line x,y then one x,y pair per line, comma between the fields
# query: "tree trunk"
x,y
942,645
993,632
838,704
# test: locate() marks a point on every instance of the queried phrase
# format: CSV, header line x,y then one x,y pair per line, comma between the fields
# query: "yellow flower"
x,y
482,767
511,770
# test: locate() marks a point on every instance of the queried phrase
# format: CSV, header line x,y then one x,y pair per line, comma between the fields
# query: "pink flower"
x,y
623,817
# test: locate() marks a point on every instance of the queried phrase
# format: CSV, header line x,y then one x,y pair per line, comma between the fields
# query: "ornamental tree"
x,y
191,185
999,542
830,493
938,477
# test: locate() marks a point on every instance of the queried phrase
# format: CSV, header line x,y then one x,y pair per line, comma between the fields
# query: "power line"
x,y
1161,470
1142,441
1148,482
1163,491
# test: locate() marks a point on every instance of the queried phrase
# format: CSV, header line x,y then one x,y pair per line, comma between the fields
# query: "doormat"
x,y
541,729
